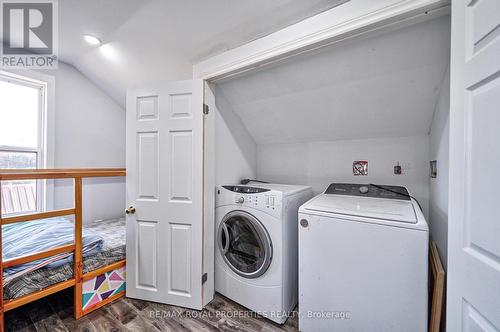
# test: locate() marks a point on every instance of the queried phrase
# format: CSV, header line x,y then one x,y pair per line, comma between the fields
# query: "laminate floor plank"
x,y
101,320
129,316
137,304
121,311
44,318
19,320
55,313
164,317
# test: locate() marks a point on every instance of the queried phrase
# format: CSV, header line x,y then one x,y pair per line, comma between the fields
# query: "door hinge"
x,y
204,278
205,109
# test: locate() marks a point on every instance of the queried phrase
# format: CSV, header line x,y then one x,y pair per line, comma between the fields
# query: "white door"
x,y
474,198
165,186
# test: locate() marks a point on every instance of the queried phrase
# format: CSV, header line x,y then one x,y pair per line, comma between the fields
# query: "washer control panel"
x,y
368,190
266,200
245,189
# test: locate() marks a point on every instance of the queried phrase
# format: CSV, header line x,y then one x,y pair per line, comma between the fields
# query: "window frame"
x,y
41,149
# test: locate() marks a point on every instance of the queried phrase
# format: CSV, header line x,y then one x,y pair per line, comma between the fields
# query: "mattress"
x,y
112,250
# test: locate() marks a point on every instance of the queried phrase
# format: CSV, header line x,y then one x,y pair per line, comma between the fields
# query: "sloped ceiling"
x,y
159,40
383,86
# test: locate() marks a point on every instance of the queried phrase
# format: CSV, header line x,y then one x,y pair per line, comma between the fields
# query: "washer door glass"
x,y
245,244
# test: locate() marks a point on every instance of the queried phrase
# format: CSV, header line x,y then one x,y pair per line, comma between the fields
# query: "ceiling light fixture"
x,y
92,40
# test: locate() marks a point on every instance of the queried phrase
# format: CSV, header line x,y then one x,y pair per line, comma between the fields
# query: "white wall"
x,y
383,86
89,131
236,151
320,163
438,190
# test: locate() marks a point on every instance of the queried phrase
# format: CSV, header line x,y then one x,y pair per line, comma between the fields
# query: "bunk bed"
x,y
91,259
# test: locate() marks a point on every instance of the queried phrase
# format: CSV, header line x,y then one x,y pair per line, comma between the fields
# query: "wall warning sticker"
x,y
360,167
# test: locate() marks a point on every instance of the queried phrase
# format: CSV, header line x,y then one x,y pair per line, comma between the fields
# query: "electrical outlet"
x,y
433,169
398,169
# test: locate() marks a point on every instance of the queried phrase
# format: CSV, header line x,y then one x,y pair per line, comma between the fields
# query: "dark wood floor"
x,y
55,313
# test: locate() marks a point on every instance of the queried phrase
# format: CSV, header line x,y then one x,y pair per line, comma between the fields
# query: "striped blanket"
x,y
113,250
29,237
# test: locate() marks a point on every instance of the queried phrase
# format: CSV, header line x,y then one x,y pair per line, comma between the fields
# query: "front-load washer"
x,y
256,246
362,260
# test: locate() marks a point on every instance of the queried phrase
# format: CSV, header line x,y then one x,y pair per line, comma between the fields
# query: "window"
x,y
22,119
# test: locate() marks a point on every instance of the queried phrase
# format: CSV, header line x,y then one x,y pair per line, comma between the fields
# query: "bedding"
x,y
29,237
103,242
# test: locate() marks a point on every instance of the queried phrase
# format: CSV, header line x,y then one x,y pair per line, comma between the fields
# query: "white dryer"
x,y
256,246
362,260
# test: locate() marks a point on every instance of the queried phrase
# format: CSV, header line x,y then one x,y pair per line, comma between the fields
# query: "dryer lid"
x,y
375,208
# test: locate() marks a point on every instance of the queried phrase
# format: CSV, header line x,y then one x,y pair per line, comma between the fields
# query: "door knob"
x,y
130,210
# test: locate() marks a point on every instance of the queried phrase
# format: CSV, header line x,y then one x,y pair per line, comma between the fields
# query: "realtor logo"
x,y
29,34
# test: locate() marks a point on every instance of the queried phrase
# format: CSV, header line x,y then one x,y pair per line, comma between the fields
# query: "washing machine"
x,y
256,246
363,260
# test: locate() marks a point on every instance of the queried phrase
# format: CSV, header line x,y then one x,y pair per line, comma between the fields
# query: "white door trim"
x,y
209,195
347,20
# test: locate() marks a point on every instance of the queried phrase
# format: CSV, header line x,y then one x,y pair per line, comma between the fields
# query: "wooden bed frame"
x,y
79,277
